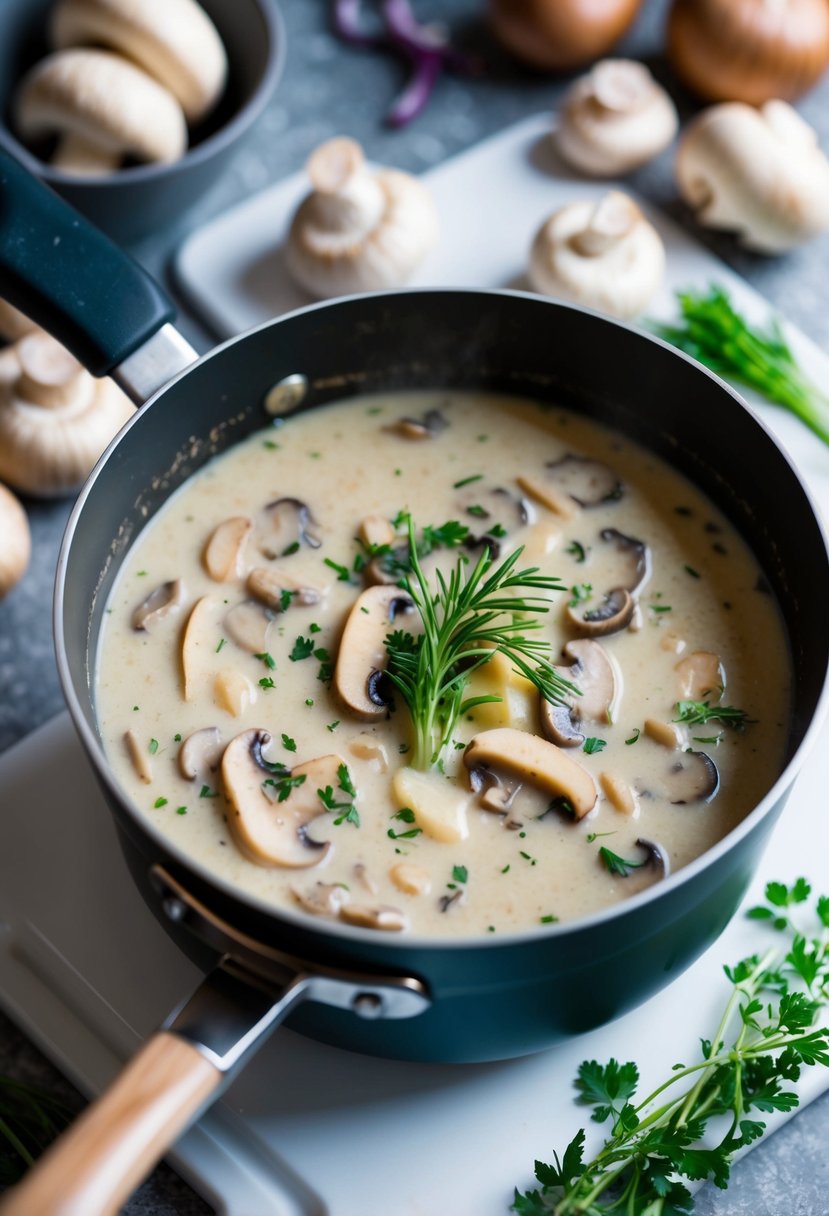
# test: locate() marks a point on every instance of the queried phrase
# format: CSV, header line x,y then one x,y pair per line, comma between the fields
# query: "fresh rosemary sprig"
x,y
697,713
715,334
465,621
692,1124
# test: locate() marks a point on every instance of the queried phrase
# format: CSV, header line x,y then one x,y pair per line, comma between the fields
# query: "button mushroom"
x,y
359,229
581,480
16,546
200,753
380,916
55,419
103,108
620,793
535,762
613,614
223,551
233,691
605,255
693,777
139,757
410,878
166,600
14,324
597,676
174,40
758,173
666,734
247,624
657,856
636,559
322,899
274,832
362,653
278,590
429,426
615,119
288,525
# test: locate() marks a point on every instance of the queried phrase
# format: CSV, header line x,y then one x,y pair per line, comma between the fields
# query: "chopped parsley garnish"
x,y
267,682
548,920
332,726
303,648
346,808
634,738
267,659
693,573
181,810
153,746
177,738
405,814
661,608
593,745
498,531
581,593
314,627
289,550
159,802
478,511
577,550
222,643
467,481
285,598
206,792
460,873
280,783
288,743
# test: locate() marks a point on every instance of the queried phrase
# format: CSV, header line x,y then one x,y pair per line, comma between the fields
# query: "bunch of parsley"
x,y
691,1126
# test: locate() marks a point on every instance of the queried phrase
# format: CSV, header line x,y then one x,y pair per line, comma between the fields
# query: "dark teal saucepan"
x,y
406,997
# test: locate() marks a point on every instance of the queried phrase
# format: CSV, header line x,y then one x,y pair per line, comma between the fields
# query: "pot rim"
x,y
406,942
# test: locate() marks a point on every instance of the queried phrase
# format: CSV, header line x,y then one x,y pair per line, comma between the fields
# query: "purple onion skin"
x,y
427,51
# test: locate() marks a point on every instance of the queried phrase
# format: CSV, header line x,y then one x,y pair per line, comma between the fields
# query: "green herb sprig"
x,y
691,1126
697,713
472,615
717,335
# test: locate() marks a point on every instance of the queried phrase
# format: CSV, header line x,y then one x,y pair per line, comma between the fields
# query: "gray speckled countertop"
x,y
330,88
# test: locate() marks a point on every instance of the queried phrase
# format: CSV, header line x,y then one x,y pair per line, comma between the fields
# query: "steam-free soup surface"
x,y
228,616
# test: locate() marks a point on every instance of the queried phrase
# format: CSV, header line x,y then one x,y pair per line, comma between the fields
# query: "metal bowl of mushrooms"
x,y
132,112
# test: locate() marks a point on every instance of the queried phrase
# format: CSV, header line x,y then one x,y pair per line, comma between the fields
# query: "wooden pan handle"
x,y
95,1166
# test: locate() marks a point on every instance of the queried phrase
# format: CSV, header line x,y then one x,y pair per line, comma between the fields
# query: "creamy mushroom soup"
x,y
273,702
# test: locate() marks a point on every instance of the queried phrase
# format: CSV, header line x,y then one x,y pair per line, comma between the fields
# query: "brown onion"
x,y
749,50
560,34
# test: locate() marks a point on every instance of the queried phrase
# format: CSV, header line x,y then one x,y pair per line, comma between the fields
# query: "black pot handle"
x,y
69,278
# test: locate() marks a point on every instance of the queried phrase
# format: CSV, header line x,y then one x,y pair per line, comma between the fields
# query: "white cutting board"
x,y
491,199
307,1129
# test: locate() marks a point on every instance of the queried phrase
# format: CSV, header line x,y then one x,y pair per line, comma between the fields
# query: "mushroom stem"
x,y
75,154
613,217
348,203
49,376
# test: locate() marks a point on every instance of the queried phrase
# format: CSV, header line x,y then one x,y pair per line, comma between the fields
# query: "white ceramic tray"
x,y
309,1130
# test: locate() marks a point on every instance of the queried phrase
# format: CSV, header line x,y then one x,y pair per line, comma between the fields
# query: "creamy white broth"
x,y
348,461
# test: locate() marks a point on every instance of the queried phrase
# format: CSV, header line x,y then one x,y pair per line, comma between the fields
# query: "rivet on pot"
x,y
286,395
174,909
368,1004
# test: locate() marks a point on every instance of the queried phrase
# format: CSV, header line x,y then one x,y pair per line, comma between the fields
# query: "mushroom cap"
x,y
758,173
614,119
173,40
55,419
16,546
359,229
106,101
362,653
605,255
536,762
272,832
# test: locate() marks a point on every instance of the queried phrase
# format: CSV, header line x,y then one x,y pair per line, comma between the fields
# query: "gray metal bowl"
x,y
143,198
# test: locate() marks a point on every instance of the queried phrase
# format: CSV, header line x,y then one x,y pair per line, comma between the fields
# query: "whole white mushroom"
x,y
757,172
102,108
614,119
603,254
359,229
